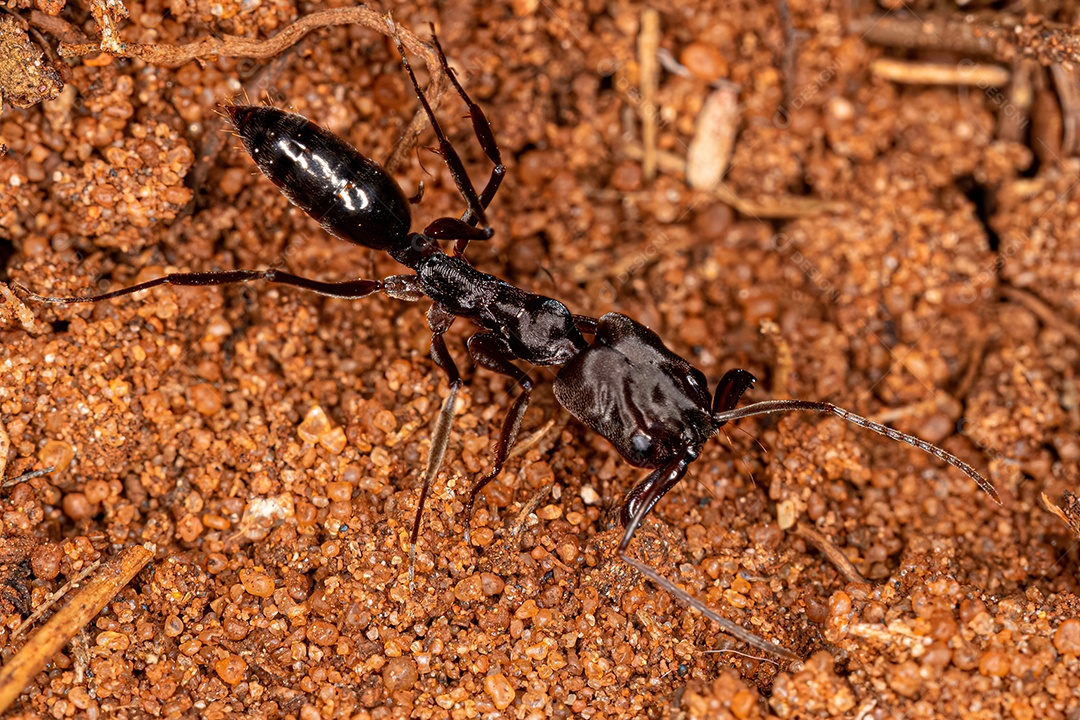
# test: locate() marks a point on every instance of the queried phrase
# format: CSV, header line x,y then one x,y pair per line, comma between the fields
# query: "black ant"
x,y
651,404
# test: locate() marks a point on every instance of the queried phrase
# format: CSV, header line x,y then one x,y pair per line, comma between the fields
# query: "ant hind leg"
x,y
442,228
484,135
349,289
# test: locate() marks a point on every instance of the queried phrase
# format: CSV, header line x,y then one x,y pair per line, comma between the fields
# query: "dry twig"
x,y
1015,114
59,28
1067,84
834,554
909,72
649,63
109,12
27,476
47,605
530,508
1002,37
58,632
5,448
1069,514
1046,314
523,446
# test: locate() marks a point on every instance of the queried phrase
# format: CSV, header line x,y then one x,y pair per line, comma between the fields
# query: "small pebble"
x,y
399,673
257,583
994,663
56,454
233,181
334,441
499,690
314,426
527,610
470,589
491,584
231,669
322,633
1067,637
589,496
205,399
45,560
704,61
905,679
77,507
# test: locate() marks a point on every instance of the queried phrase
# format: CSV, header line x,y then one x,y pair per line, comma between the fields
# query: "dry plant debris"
x,y
25,77
44,645
914,263
1069,514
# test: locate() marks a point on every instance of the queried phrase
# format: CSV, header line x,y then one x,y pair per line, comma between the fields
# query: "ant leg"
x,y
349,289
782,406
482,130
637,505
457,169
492,352
439,320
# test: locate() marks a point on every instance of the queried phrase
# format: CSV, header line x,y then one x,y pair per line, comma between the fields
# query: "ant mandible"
x,y
651,404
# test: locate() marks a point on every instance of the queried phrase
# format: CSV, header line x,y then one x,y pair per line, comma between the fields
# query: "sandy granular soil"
x,y
269,442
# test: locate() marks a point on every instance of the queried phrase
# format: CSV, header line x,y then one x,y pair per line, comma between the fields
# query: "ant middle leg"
x,y
439,320
638,503
492,352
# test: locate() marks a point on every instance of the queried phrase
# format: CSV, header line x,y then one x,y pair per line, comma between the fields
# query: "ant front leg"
x,y
493,352
439,320
639,502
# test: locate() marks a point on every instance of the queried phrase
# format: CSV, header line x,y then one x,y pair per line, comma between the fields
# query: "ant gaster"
x,y
651,404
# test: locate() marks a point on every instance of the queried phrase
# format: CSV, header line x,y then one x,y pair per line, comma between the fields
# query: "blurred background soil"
x,y
902,247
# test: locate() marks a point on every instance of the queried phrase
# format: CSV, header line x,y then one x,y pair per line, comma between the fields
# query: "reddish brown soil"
x,y
269,442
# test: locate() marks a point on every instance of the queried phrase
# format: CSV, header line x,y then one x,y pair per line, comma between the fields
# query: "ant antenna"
x,y
768,407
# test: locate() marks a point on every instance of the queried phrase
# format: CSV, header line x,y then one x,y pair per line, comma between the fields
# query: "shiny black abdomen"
x,y
350,195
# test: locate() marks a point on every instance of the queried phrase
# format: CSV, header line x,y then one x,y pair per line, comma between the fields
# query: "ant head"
x,y
647,401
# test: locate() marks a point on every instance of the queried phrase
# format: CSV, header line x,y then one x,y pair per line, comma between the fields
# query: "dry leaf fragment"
x,y
709,153
1070,514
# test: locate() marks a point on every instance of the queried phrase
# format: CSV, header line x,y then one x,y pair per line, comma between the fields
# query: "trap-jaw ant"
x,y
625,384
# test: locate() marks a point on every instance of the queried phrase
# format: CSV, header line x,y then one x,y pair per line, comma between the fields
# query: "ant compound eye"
x,y
641,444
